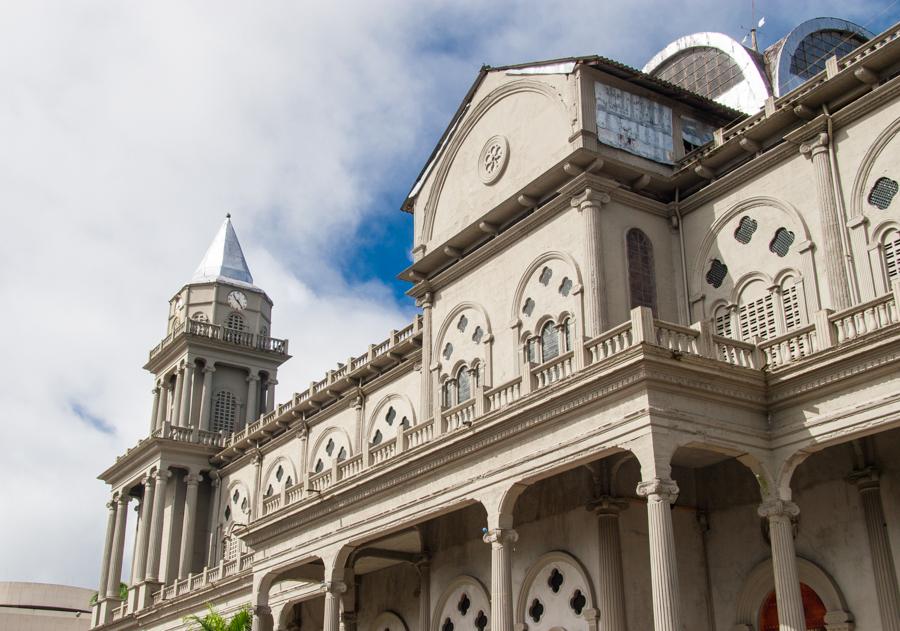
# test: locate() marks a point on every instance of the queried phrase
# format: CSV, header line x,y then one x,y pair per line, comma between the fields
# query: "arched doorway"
x,y
813,608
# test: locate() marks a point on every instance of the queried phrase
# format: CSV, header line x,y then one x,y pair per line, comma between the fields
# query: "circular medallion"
x,y
493,159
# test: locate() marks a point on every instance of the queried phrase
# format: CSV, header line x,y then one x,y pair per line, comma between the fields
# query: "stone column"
x,y
836,271
143,533
118,548
262,618
187,389
154,546
589,204
611,592
188,525
869,487
426,408
270,394
213,513
176,401
155,412
661,494
348,621
333,591
206,397
107,548
252,388
784,563
501,540
162,411
423,566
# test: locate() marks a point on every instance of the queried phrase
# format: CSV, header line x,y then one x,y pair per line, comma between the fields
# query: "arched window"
x,y
235,322
722,320
549,342
791,305
555,594
641,272
463,385
756,312
447,392
224,412
891,247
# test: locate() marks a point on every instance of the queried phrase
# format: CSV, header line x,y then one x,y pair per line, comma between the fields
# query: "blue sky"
x,y
130,129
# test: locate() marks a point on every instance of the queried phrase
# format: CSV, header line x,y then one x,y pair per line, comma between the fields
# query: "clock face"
x,y
237,300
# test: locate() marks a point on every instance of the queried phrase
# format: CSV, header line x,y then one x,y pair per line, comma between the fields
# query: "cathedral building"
x,y
652,384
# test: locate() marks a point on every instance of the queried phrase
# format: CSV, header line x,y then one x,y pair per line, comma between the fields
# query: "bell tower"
x,y
215,371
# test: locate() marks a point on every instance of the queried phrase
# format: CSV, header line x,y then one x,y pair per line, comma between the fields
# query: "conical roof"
x,y
224,260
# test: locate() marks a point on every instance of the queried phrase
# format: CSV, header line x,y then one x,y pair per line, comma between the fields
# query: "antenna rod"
x,y
753,41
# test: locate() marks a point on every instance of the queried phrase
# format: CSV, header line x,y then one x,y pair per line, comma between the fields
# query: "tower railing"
x,y
245,339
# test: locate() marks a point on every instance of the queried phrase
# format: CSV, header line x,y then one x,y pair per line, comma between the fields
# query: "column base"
x,y
145,591
106,607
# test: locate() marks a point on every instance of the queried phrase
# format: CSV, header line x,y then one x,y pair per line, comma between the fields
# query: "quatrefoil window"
x,y
463,322
376,438
781,242
481,621
528,307
279,473
577,602
390,416
745,229
546,275
329,447
716,274
228,512
236,496
882,194
448,350
447,626
555,580
464,603
244,505
477,334
536,610
565,287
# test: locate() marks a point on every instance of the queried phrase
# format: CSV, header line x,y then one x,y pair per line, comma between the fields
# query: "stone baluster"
x,y
206,396
189,524
611,592
107,548
836,272
780,515
155,413
187,389
501,540
154,545
333,591
661,494
143,533
252,391
869,486
114,577
589,204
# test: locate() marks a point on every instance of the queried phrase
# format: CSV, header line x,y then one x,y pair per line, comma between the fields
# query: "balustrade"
x,y
380,453
865,318
790,347
320,481
735,352
504,394
680,339
610,343
419,434
459,415
350,467
553,370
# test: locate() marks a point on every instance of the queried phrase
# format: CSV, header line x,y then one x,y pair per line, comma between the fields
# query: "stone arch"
x,y
741,284
864,172
388,621
761,581
882,228
546,257
383,405
321,441
449,604
451,318
481,349
460,135
536,586
269,477
237,505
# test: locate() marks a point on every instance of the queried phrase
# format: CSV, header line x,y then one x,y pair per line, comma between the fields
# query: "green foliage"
x,y
123,594
214,621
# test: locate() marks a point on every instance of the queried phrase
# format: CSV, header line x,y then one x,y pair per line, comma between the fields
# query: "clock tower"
x,y
216,368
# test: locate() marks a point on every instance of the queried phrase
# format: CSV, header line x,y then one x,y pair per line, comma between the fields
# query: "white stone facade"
x,y
642,392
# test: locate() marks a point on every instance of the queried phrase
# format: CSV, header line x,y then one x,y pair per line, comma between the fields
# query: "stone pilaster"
x,y
155,412
154,546
426,407
423,566
661,494
780,514
589,204
885,574
835,267
270,394
333,591
107,548
189,524
143,533
206,397
501,540
213,513
303,439
611,591
252,390
118,548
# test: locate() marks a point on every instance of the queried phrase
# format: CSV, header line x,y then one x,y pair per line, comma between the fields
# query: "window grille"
x,y
882,194
717,272
705,70
234,322
790,300
723,321
463,385
549,342
232,548
815,49
745,230
641,273
891,246
781,242
224,412
757,318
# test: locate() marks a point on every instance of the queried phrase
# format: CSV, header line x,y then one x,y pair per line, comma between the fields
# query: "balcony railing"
x,y
195,582
206,330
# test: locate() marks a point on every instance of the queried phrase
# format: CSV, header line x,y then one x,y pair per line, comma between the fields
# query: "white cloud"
x,y
128,129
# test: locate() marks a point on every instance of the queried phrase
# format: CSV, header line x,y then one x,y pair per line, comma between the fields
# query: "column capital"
x,y
302,430
334,587
111,505
815,145
425,301
865,479
776,508
123,499
209,369
155,390
590,198
162,474
193,479
256,457
658,490
500,536
607,506
252,377
149,479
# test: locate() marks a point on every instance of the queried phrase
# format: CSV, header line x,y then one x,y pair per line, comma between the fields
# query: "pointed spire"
x,y
224,260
